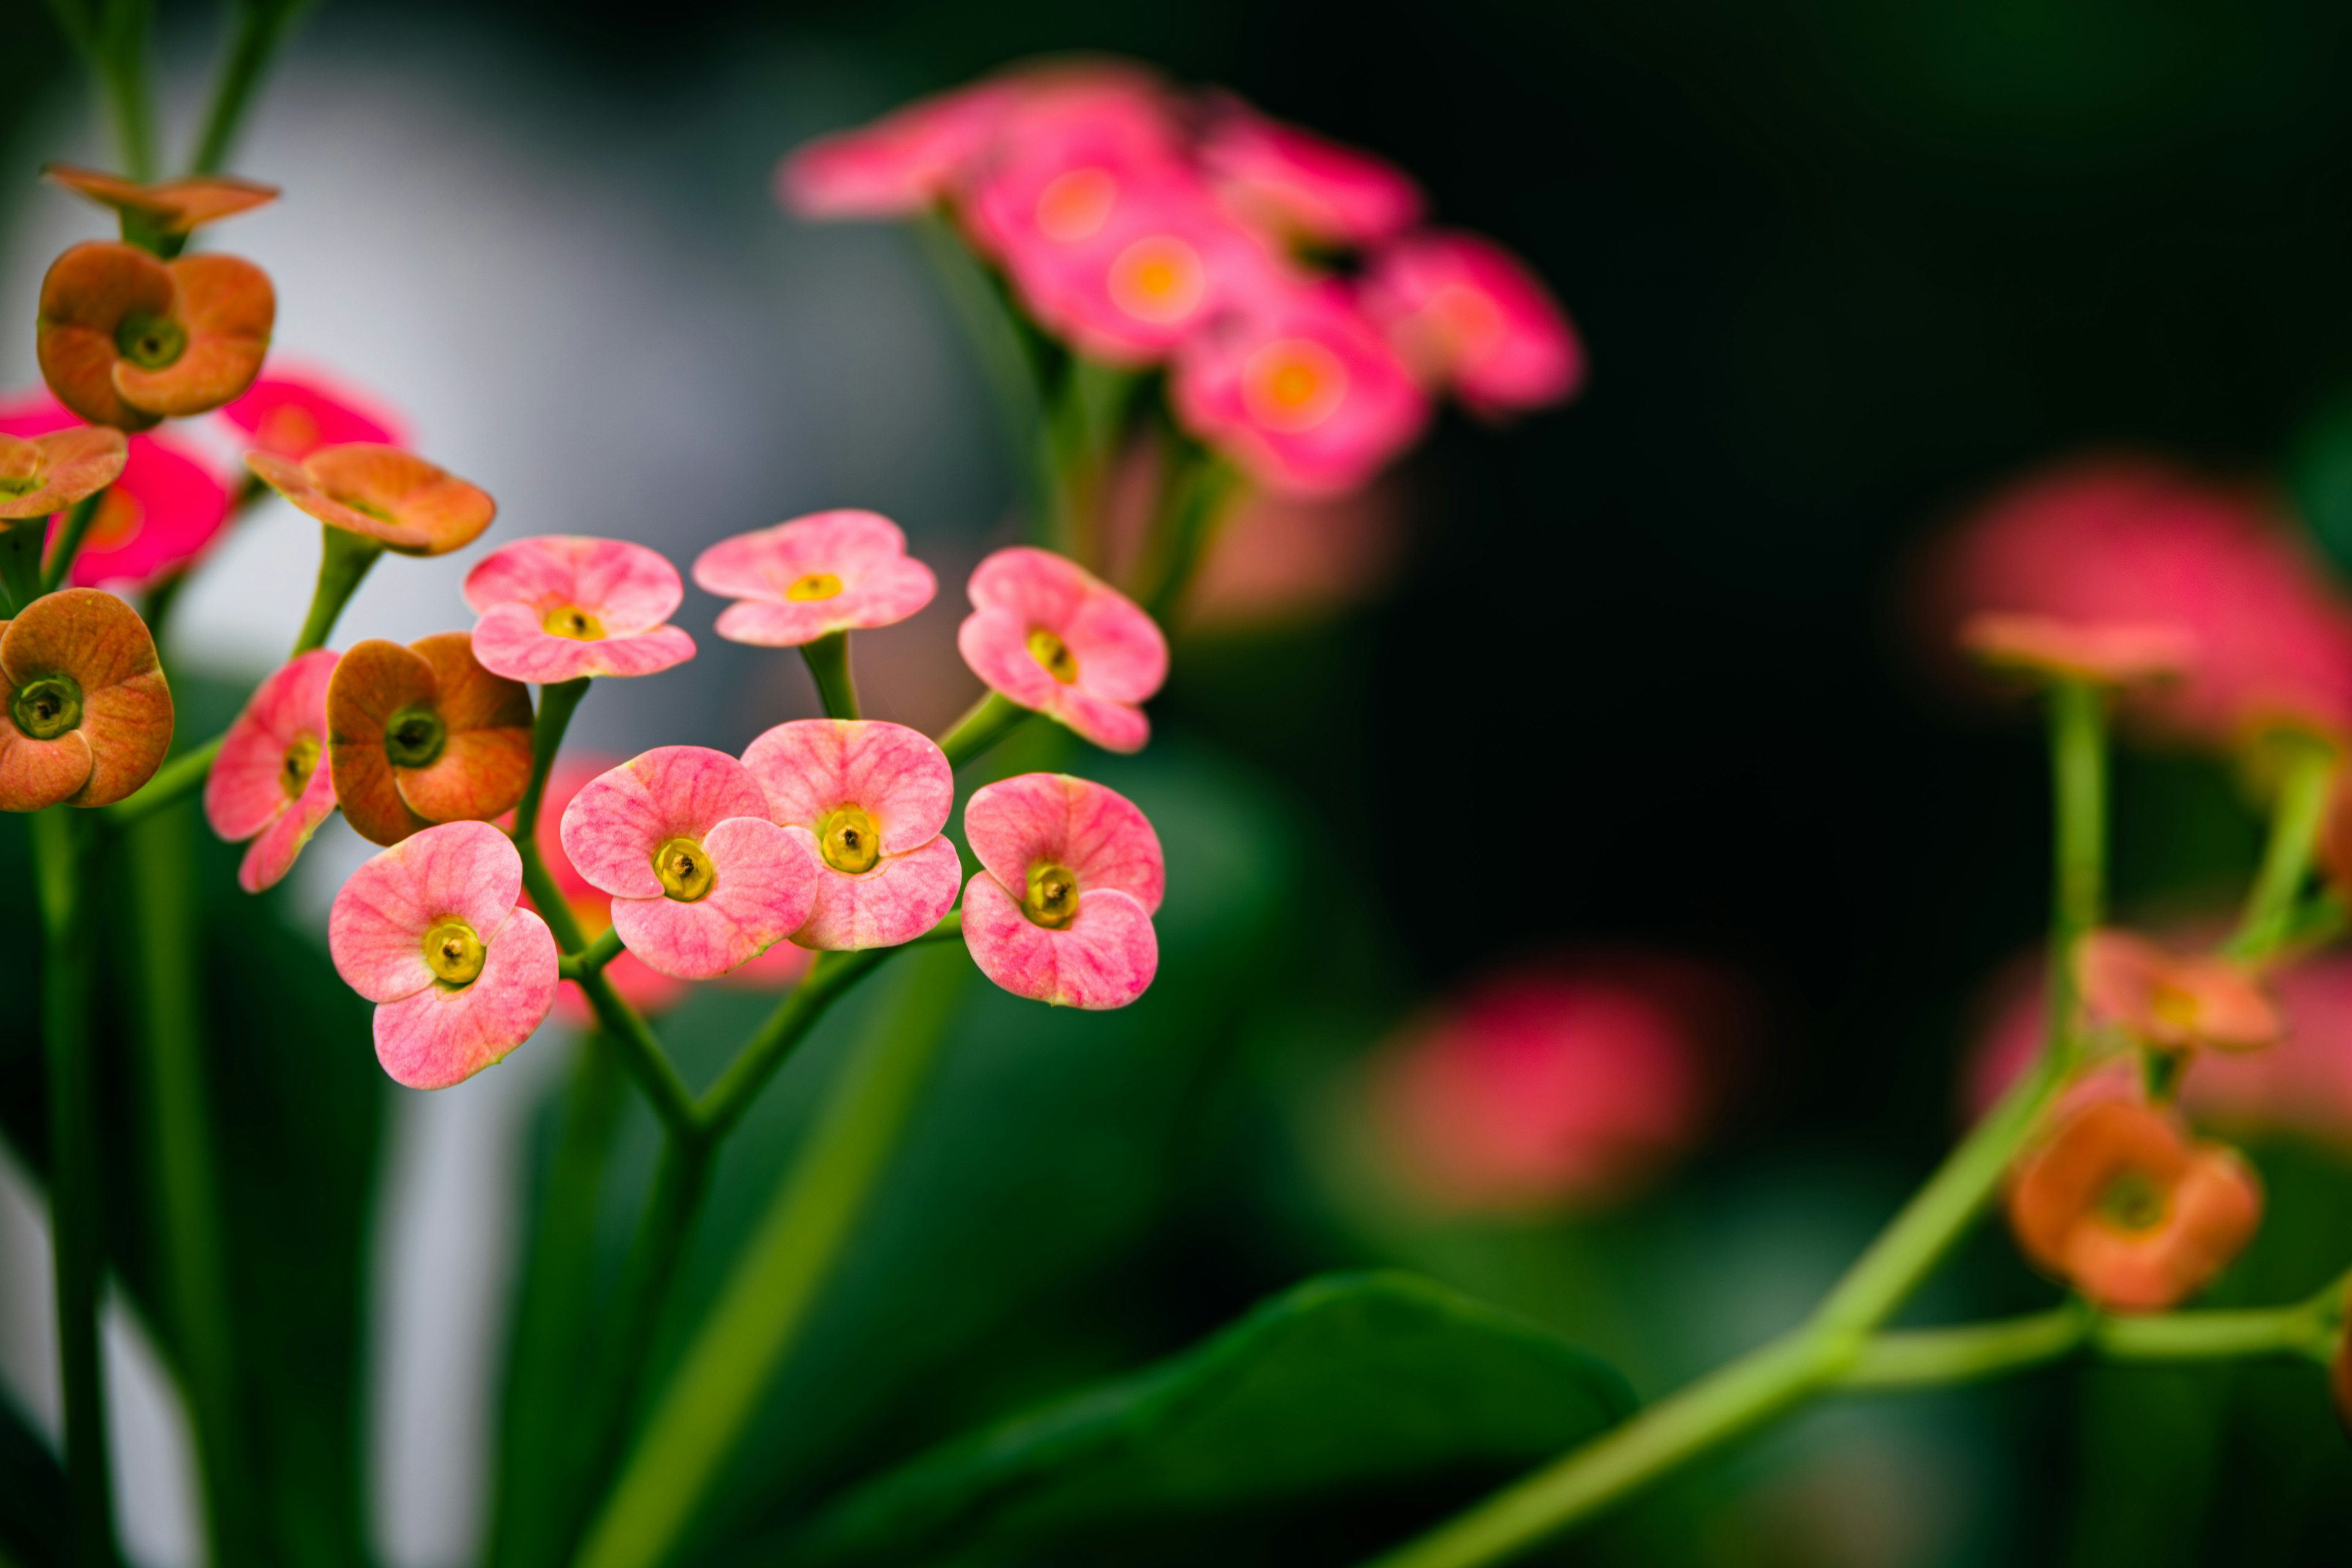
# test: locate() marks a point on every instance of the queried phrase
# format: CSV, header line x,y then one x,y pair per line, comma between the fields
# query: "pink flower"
x,y
293,413
1550,1087
1299,392
827,572
160,514
1061,911
1467,314
868,801
702,883
267,784
899,164
2174,1001
2111,653
2125,541
429,931
647,989
560,607
1297,185
1051,636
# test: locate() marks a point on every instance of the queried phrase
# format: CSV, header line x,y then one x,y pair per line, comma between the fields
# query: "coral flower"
x,y
2123,1205
558,607
1051,636
1300,392
423,735
701,882
2172,1001
270,782
828,572
42,474
869,801
1299,186
898,165
384,493
2111,653
647,989
291,414
157,517
90,716
1071,875
1468,315
126,340
429,931
167,207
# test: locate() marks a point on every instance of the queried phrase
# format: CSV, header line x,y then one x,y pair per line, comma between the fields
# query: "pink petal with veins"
x,y
443,1034
619,819
1105,958
376,930
899,777
1095,833
244,793
900,899
512,639
865,551
274,850
1119,653
627,586
763,886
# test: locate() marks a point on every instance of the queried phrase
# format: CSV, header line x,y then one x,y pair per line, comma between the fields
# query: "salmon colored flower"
x,y
160,513
126,340
1299,392
1071,876
2123,1204
167,207
2110,653
383,493
828,572
270,782
2172,1001
43,474
1297,185
1468,315
869,801
701,882
90,716
1051,636
560,607
647,989
898,165
429,931
292,413
423,735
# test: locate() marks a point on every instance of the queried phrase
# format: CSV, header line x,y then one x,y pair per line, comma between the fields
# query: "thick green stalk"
x,y
1936,1358
344,558
20,561
173,780
2306,785
260,23
828,662
77,1205
69,538
832,974
776,1280
990,719
121,64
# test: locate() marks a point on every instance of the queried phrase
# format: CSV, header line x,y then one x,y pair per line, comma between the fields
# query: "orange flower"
x,y
384,493
2123,1205
126,340
168,207
2111,653
42,474
90,716
423,735
2166,1000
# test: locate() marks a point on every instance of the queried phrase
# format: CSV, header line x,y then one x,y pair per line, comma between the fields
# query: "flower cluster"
x,y
1304,316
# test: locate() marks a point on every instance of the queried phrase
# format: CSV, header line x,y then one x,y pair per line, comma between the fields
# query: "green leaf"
x,y
1341,1384
32,1527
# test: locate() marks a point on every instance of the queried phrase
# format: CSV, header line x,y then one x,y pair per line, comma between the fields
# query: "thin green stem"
x,y
1931,1358
831,975
1192,503
988,720
77,1205
181,776
20,562
591,958
2306,786
122,63
260,23
828,662
344,558
68,544
557,703
777,1279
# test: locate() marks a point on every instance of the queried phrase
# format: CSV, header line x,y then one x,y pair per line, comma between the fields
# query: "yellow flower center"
x,y
453,953
2173,1005
413,738
1293,385
815,585
1074,206
1160,279
571,621
848,839
1052,900
21,467
47,708
1054,654
301,761
151,343
684,869
2133,1203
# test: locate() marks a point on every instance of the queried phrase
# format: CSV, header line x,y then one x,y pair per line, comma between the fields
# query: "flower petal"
x,y
616,822
485,763
274,850
102,644
38,774
900,899
509,640
85,295
444,1035
1105,958
73,464
373,680
227,306
898,775
376,929
627,586
1095,832
244,792
865,551
763,885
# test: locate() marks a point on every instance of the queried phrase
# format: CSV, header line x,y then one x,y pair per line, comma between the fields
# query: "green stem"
x,y
174,779
1192,504
20,562
557,703
121,64
69,538
828,978
2304,789
828,661
344,558
591,958
77,1208
988,720
777,1279
260,23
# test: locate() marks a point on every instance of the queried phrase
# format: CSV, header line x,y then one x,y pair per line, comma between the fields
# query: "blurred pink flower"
x,y
2113,653
701,882
647,989
1279,560
2132,541
899,164
827,572
1071,876
1299,392
158,516
294,412
561,606
1298,185
2173,1000
1555,1086
1051,636
1467,314
269,782
430,932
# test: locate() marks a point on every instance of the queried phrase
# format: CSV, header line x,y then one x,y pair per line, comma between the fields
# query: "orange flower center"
x,y
1160,279
815,585
1074,206
300,761
453,953
684,869
2174,1004
1054,654
119,518
289,430
848,841
571,621
47,708
1293,385
21,467
1052,900
151,343
2133,1203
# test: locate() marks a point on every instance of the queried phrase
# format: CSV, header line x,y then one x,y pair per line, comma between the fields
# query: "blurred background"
x,y
1842,269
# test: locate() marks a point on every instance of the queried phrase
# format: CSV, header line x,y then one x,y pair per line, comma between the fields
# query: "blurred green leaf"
x,y
32,1526
2319,470
1343,1383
